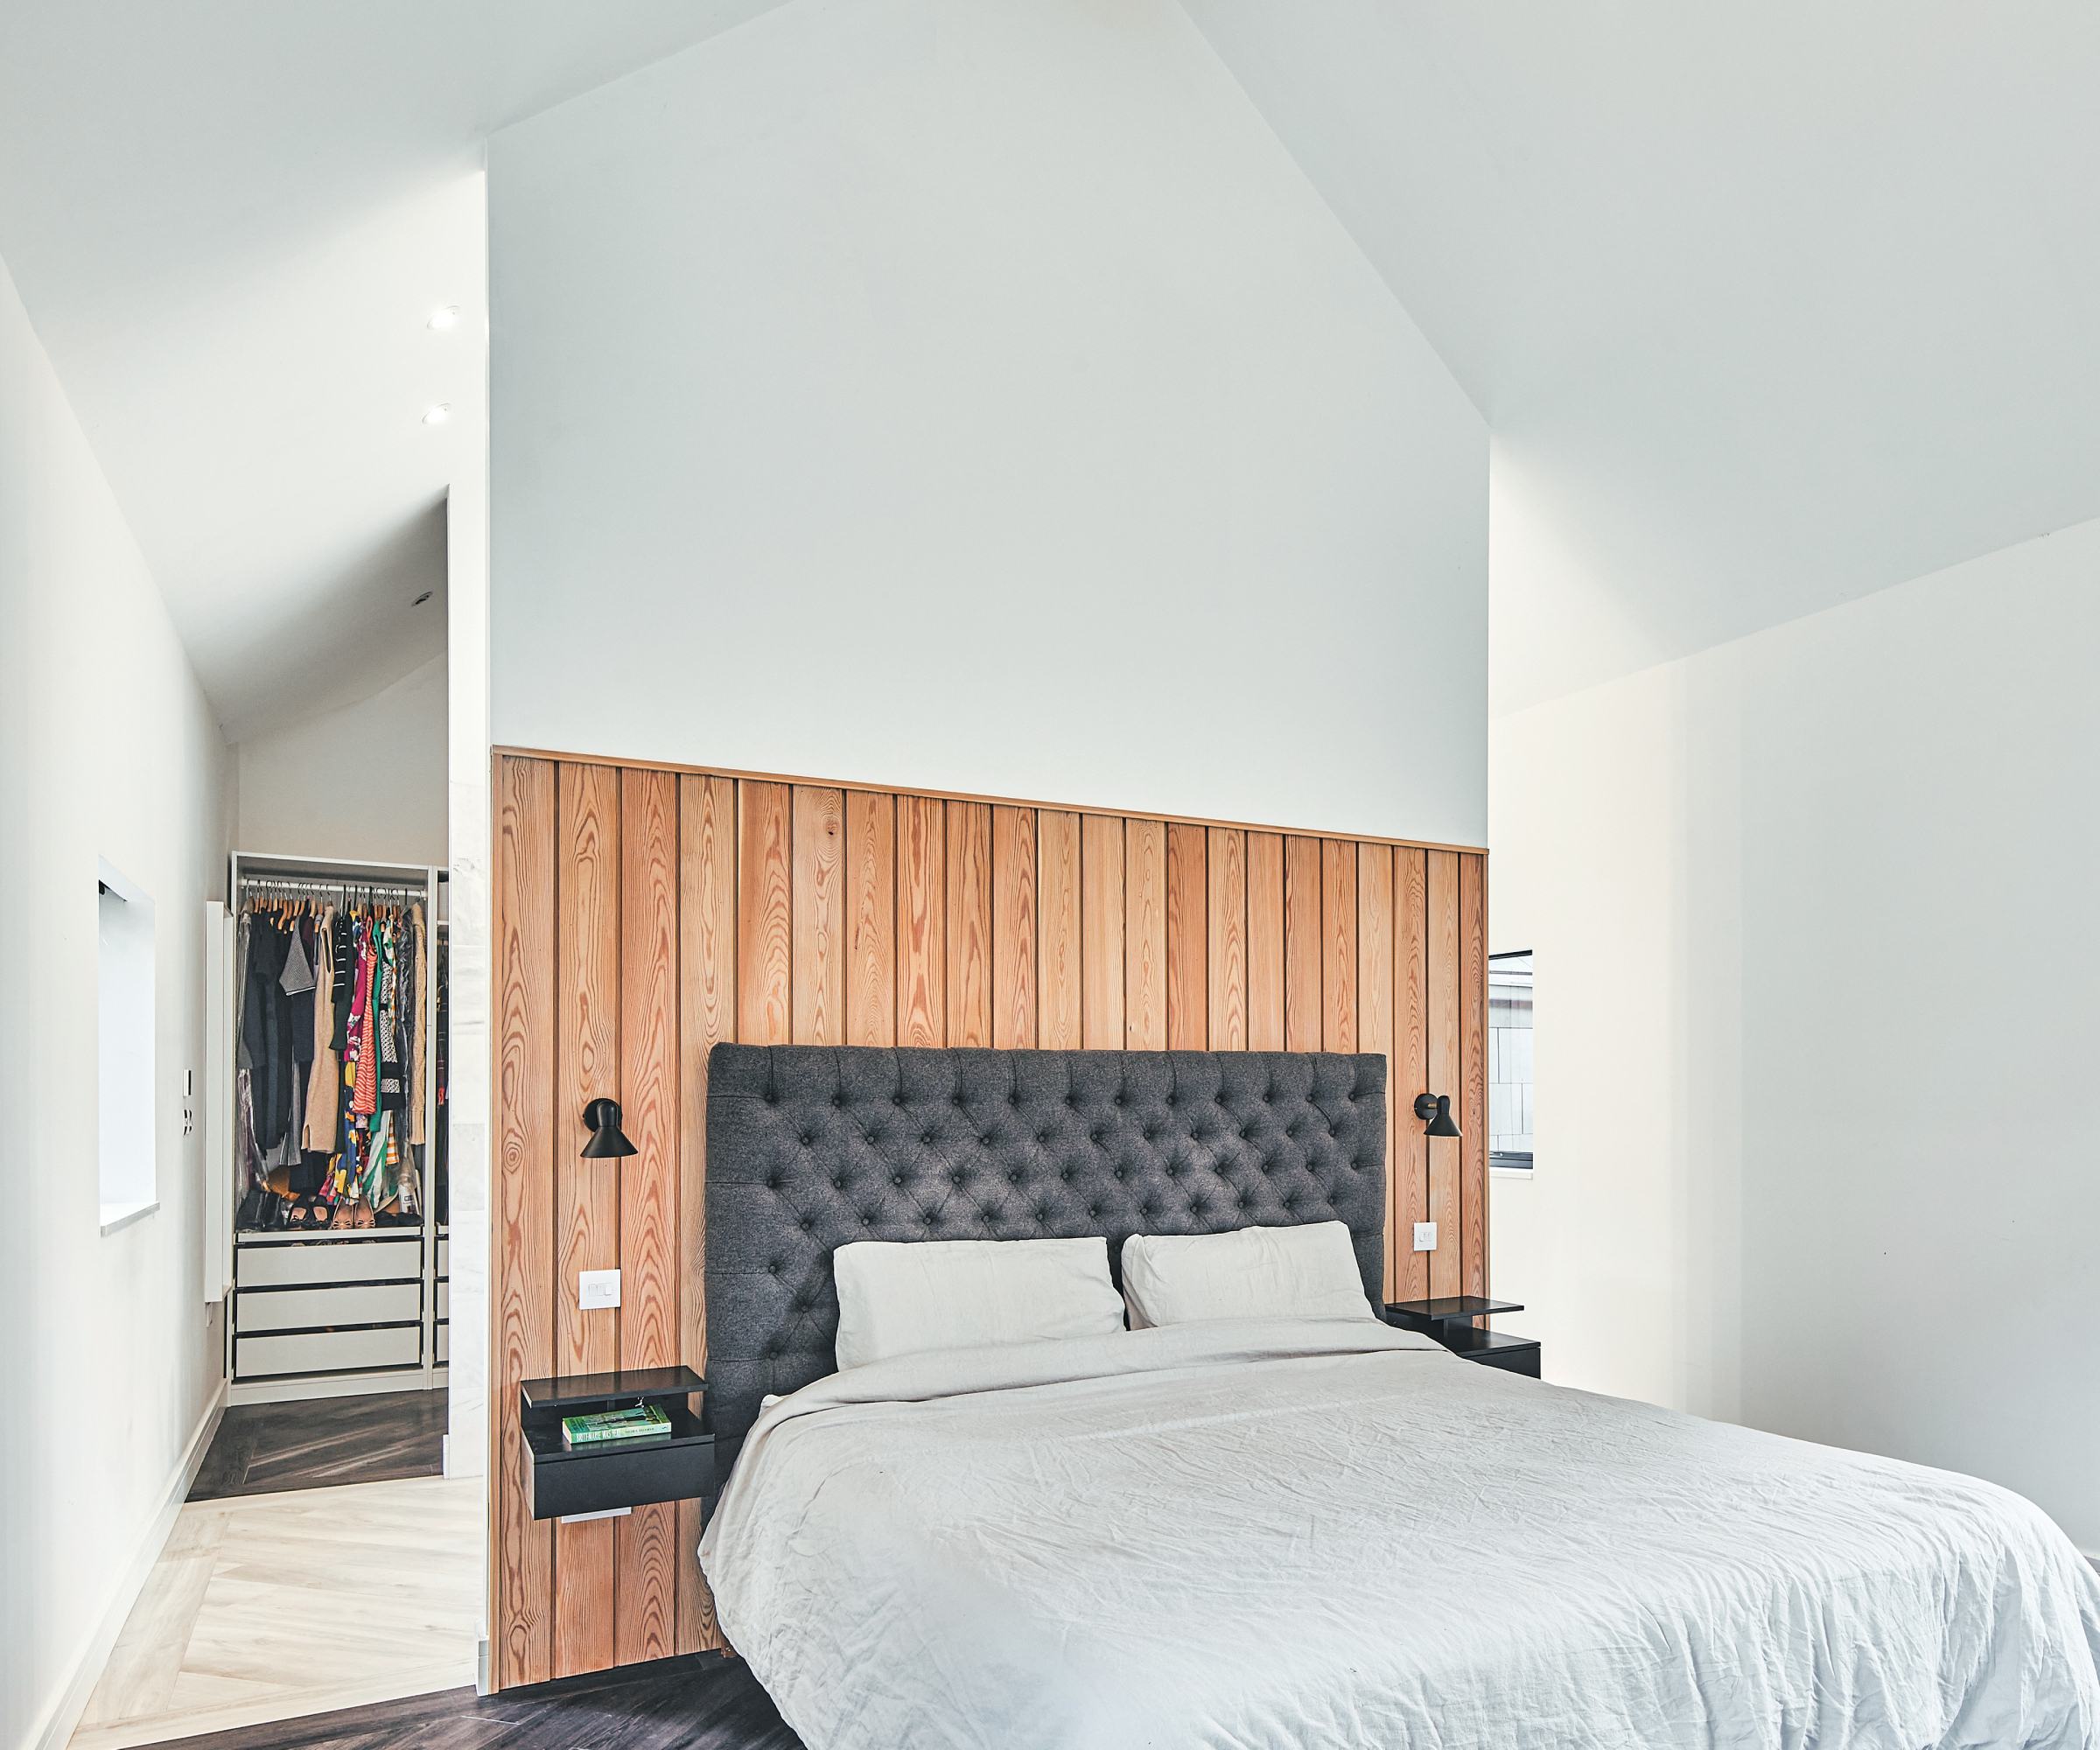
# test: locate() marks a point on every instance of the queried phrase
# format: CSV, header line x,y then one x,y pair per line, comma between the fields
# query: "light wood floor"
x,y
267,1606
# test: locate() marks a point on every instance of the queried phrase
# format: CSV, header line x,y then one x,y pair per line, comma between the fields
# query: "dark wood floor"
x,y
702,1702
323,1442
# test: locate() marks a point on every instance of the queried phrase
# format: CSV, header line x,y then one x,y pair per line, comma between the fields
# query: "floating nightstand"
x,y
1450,1322
559,1483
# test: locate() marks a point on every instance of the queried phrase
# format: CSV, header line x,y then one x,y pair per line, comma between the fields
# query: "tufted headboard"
x,y
809,1147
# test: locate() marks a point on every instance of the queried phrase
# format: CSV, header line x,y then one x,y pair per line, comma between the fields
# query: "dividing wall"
x,y
644,913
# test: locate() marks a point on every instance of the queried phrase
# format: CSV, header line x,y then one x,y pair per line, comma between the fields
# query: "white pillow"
x,y
895,1296
1307,1272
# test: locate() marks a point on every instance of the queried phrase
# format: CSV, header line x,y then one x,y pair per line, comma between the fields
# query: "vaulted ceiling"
x,y
1767,307
231,222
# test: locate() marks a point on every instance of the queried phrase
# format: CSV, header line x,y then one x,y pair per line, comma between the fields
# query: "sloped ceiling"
x,y
1766,307
231,222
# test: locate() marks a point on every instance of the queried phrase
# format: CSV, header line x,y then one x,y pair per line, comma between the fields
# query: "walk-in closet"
x,y
331,1129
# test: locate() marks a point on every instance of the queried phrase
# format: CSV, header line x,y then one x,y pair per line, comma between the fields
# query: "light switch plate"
x,y
1425,1237
595,1288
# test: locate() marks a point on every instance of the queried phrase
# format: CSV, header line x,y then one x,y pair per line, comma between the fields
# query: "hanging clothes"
x,y
330,1061
324,1083
266,1030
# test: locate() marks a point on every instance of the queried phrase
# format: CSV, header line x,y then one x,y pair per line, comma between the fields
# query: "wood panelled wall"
x,y
643,913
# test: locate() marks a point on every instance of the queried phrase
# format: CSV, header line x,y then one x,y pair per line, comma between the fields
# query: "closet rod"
x,y
307,884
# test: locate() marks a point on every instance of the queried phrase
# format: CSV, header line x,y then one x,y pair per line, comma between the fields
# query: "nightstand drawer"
x,y
1503,1349
558,1482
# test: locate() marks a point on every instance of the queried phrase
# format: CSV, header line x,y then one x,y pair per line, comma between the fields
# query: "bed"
x,y
1281,1531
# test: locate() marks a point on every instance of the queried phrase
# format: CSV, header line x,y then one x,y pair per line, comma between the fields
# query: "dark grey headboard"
x,y
809,1147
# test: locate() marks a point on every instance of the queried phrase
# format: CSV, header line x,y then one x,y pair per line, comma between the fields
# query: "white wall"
x,y
108,749
1813,914
365,783
974,394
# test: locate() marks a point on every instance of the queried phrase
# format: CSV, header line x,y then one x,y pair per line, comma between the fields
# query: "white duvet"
x,y
1295,1533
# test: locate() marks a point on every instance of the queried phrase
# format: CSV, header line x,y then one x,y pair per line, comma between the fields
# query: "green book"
x,y
612,1427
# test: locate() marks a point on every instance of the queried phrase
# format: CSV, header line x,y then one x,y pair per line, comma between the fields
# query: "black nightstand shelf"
x,y
560,1484
1450,1322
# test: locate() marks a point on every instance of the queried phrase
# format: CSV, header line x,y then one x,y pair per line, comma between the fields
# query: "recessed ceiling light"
x,y
439,414
422,598
446,318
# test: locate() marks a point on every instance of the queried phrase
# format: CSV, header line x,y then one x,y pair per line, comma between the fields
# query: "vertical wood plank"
x,y
1446,1274
1473,1070
1144,935
1187,939
587,884
1057,961
520,1549
872,901
1225,979
765,914
1100,877
1374,983
818,904
1265,941
645,1542
1012,928
707,1003
922,923
969,950
1302,957
1410,1067
1339,997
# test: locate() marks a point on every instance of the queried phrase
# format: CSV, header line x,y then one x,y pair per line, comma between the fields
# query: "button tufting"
x,y
839,1182
808,1138
896,1178
926,1138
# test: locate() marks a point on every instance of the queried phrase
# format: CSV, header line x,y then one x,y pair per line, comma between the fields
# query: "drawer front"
x,y
327,1352
316,1261
445,1300
611,1480
299,1309
445,1256
444,1345
1523,1360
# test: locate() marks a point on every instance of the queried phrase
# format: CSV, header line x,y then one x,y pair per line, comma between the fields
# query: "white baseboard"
x,y
58,1724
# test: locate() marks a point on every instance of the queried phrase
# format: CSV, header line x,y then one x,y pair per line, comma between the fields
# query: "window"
x,y
124,1065
1509,1062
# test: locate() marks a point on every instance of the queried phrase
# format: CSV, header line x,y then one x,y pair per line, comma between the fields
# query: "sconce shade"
x,y
607,1140
1435,1109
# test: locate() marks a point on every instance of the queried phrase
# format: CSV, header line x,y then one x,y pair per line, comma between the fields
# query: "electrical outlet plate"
x,y
595,1288
1425,1236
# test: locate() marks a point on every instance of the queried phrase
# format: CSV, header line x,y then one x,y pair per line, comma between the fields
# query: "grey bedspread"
x,y
1296,1533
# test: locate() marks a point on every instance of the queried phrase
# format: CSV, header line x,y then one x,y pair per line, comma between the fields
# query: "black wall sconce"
x,y
1434,1109
607,1140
